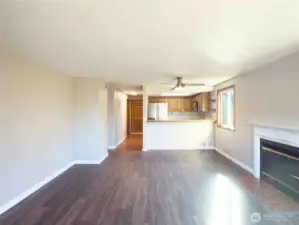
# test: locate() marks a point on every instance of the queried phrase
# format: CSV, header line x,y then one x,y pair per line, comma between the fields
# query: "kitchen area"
x,y
181,122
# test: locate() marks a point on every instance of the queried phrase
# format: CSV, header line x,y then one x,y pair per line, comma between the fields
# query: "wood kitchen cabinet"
x,y
187,104
179,104
203,100
157,100
175,104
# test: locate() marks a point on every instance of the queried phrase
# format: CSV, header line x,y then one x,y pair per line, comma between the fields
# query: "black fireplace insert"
x,y
280,166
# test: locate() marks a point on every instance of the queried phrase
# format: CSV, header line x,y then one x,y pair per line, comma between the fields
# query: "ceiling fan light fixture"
x,y
133,93
178,88
180,85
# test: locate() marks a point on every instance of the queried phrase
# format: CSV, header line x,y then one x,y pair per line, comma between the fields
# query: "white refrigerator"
x,y
158,111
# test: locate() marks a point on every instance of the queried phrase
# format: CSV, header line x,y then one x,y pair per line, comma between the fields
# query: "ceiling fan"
x,y
180,85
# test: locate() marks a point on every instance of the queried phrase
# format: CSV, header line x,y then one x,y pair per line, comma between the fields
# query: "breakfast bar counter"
x,y
181,121
179,134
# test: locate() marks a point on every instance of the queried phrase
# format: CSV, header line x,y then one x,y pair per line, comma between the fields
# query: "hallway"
x,y
133,143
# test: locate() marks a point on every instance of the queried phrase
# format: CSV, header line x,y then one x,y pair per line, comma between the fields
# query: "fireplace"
x,y
279,166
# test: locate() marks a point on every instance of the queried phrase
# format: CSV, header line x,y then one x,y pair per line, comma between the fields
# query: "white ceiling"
x,y
128,88
158,90
143,42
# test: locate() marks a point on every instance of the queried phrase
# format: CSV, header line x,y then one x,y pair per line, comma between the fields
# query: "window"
x,y
226,108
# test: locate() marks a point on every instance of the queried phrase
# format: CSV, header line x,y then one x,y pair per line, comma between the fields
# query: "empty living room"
x,y
149,112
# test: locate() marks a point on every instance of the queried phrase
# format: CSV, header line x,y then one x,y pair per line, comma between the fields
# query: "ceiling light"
x,y
178,88
133,93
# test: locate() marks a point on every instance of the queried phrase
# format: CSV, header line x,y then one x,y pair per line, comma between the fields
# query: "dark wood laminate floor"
x,y
146,188
132,143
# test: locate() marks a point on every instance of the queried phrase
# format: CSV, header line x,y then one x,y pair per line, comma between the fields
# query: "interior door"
x,y
136,115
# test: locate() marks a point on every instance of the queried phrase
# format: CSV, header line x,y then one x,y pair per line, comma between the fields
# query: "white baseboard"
x,y
208,148
91,162
144,149
33,189
245,167
117,144
42,183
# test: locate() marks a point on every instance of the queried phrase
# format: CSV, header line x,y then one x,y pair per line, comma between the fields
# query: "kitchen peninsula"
x,y
179,123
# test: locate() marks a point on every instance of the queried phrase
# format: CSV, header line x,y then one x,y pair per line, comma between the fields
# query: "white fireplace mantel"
x,y
278,134
281,125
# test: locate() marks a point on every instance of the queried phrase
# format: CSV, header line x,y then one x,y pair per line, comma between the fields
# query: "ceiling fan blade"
x,y
195,84
168,83
173,88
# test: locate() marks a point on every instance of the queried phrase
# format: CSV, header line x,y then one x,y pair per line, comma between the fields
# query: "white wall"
x,y
111,120
145,116
36,124
179,135
120,113
117,116
90,105
267,95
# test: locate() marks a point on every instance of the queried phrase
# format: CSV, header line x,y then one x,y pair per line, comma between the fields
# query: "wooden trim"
x,y
219,108
226,128
226,88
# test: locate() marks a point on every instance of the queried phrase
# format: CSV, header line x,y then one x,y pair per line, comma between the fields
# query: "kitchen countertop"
x,y
184,121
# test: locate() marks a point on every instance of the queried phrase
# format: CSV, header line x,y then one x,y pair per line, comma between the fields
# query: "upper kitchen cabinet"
x,y
174,104
179,104
203,100
187,104
157,100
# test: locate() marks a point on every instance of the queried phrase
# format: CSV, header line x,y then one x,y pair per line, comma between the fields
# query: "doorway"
x,y
135,117
125,118
134,140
